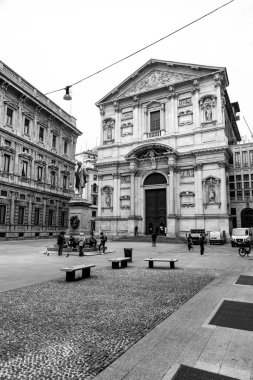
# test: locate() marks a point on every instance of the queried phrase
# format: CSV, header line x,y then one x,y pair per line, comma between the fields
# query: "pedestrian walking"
x,y
202,244
103,239
154,237
190,242
81,244
60,242
136,231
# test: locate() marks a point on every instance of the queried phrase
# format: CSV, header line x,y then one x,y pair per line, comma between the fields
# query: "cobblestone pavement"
x,y
59,330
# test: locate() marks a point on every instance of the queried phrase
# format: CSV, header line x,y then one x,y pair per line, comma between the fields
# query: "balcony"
x,y
159,133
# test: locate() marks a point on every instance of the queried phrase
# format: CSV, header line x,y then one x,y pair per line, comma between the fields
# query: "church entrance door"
x,y
156,211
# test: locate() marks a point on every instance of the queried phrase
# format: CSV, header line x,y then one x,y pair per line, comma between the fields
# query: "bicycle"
x,y
245,250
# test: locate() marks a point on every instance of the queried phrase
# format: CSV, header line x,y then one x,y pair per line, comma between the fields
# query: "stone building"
x,y
37,160
241,185
166,136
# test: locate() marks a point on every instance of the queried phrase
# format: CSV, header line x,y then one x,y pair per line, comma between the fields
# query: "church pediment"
x,y
156,74
148,151
156,79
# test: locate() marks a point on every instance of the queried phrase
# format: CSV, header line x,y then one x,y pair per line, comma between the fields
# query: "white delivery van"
x,y
216,237
241,236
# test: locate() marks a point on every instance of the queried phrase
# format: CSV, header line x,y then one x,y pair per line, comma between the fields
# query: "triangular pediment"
x,y
156,79
156,74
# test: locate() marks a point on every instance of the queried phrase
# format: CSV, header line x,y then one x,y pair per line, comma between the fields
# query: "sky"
x,y
54,43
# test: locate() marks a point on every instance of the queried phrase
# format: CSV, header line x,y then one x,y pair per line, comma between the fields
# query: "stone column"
x,y
29,219
132,192
57,215
195,92
198,189
171,190
115,194
218,78
100,178
223,188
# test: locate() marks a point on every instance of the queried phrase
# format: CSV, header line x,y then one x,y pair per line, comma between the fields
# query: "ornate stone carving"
x,y
25,156
136,100
171,92
218,78
107,196
207,105
187,199
125,202
102,110
196,87
187,172
126,129
116,106
156,79
198,166
108,129
125,179
4,86
185,118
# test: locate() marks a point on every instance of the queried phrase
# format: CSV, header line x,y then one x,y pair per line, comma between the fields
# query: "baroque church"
x,y
166,136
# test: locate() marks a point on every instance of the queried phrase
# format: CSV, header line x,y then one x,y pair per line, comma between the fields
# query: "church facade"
x,y
164,154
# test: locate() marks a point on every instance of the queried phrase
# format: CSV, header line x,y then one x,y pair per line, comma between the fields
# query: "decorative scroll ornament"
x,y
156,79
196,87
125,179
187,199
171,92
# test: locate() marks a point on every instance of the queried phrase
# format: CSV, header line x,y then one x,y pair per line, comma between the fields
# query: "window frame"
x,y
152,123
9,117
3,214
7,163
21,215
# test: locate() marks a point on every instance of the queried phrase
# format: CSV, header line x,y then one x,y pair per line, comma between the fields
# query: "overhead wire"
x,y
145,47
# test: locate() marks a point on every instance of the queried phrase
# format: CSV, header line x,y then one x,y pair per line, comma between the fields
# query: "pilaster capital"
x,y
102,110
173,169
223,164
171,92
196,87
218,79
115,175
136,100
116,106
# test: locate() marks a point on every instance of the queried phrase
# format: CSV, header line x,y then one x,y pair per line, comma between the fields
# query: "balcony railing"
x,y
153,134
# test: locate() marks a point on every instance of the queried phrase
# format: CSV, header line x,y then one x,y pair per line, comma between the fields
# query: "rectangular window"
x,y
94,214
239,185
231,178
238,178
53,178
21,214
40,157
94,200
9,119
251,157
154,121
41,134
27,126
22,196
232,195
24,169
53,162
245,158
233,211
62,218
50,217
54,141
245,177
231,186
39,173
246,194
65,147
64,182
3,193
2,214
37,217
7,142
7,162
239,195
25,150
246,185
38,199
237,159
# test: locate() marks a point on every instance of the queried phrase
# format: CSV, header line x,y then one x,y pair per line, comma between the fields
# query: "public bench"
x,y
171,261
117,260
70,271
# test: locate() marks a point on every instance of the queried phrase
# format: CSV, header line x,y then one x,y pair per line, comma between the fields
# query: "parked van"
x,y
241,236
217,237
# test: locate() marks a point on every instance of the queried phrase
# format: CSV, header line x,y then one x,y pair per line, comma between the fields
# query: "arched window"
x,y
155,179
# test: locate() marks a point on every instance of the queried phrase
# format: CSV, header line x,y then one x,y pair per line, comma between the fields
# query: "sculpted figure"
x,y
80,176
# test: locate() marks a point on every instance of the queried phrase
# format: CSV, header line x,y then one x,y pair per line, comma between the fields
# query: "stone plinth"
x,y
81,208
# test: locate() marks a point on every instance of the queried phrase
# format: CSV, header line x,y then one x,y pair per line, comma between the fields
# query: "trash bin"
x,y
128,253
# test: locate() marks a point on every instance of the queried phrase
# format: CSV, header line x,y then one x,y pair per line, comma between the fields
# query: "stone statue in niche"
x,y
208,113
109,134
108,200
211,195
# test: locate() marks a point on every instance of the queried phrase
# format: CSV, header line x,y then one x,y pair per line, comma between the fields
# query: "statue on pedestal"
x,y
80,176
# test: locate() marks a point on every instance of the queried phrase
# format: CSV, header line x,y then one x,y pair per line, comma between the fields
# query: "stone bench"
x,y
171,261
117,260
70,271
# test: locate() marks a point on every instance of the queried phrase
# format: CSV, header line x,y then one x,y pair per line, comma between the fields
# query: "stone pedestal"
x,y
81,208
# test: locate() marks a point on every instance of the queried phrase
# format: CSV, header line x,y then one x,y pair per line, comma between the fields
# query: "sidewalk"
x,y
183,338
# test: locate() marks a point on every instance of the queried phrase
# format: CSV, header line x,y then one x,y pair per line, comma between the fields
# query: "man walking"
x,y
154,237
103,239
136,231
202,244
60,242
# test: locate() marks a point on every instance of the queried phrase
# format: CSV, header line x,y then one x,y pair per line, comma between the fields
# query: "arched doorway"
x,y
155,205
247,217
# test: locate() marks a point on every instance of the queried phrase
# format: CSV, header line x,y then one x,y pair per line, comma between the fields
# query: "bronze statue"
x,y
80,176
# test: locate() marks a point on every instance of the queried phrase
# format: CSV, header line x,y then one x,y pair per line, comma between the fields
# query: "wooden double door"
x,y
156,211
